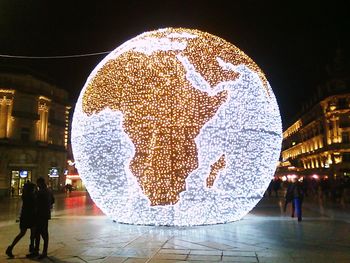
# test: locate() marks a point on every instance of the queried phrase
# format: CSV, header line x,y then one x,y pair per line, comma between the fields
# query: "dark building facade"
x,y
33,132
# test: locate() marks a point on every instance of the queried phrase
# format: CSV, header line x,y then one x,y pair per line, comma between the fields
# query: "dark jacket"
x,y
294,190
44,204
28,211
298,191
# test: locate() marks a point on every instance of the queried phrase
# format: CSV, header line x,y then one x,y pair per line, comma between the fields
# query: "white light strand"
x,y
246,129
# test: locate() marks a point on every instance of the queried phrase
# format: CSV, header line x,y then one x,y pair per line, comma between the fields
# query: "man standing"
x,y
298,196
44,203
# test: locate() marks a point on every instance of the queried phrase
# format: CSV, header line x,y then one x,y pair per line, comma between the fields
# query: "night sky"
x,y
291,41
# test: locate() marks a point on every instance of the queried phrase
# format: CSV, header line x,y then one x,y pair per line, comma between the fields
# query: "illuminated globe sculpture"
x,y
176,127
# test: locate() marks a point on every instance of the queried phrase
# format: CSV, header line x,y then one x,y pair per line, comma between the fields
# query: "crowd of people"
x,y
325,188
37,202
328,189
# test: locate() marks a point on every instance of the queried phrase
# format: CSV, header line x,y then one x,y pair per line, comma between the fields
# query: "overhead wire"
x,y
54,57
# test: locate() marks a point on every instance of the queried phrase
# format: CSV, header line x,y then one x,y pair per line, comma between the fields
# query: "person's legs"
x,y
298,208
14,242
18,237
36,237
45,236
32,239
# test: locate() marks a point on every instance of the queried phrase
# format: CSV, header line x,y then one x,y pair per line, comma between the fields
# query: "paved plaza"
x,y
79,232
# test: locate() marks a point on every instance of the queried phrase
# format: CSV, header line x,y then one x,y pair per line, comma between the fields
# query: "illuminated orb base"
x,y
176,127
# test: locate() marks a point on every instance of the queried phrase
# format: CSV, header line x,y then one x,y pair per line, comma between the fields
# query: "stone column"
x,y
5,116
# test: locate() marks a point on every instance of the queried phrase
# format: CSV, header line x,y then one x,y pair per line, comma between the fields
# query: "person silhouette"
x,y
44,204
27,217
289,198
298,196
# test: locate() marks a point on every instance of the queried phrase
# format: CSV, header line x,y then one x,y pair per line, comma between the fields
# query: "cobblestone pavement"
x,y
79,232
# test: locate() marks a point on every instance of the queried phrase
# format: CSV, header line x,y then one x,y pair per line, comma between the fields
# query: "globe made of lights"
x,y
176,127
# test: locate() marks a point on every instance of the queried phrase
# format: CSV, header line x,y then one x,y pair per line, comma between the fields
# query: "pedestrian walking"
x,y
27,218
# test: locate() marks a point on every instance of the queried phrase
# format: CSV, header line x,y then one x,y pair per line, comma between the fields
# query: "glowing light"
x,y
176,127
315,176
292,177
73,176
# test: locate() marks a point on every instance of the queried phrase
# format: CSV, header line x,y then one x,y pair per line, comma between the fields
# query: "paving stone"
x,y
174,251
204,257
264,235
239,259
113,259
206,252
170,256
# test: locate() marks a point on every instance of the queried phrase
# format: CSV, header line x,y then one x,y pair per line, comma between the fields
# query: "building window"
x,y
345,137
18,179
25,134
344,121
321,129
346,157
50,137
343,103
52,114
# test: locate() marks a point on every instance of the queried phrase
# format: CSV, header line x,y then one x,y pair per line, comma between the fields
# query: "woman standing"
x,y
27,218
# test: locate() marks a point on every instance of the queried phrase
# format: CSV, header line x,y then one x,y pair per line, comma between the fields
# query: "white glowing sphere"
x,y
176,127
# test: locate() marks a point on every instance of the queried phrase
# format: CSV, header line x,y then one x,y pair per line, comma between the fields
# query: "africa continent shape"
x,y
164,111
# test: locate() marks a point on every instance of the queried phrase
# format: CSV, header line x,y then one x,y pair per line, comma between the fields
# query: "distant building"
x,y
318,143
33,132
73,179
